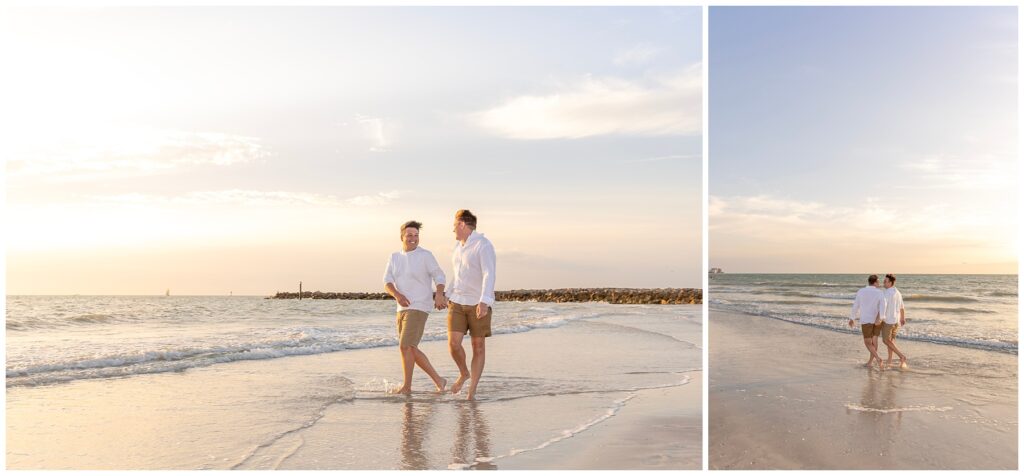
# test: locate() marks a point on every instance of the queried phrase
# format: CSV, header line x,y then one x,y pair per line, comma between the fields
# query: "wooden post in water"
x,y
300,290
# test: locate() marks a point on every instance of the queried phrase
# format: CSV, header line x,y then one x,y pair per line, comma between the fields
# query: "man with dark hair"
x,y
868,307
892,324
408,278
470,298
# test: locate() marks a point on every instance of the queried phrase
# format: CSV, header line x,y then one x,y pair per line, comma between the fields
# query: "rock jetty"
x,y
609,295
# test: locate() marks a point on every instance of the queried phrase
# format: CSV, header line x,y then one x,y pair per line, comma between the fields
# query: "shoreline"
x,y
789,396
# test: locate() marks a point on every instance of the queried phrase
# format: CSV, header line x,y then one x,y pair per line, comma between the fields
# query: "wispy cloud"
x,y
802,234
637,55
662,105
662,158
104,152
252,198
978,172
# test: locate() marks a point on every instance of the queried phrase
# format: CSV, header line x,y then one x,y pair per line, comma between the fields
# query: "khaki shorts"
x,y
889,330
870,330
410,327
462,317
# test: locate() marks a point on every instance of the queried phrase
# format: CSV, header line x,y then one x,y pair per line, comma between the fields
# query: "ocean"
x,y
119,382
974,311
54,339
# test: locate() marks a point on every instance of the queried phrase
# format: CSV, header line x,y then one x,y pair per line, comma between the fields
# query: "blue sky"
x,y
849,139
242,149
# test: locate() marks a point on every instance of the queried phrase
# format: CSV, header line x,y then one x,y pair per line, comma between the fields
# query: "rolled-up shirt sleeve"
x,y
436,273
389,272
488,263
853,312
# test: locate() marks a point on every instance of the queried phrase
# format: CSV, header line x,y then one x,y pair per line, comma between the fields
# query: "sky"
x,y
241,150
863,139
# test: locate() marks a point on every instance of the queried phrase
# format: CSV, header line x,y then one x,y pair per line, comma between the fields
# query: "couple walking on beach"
x,y
880,312
417,283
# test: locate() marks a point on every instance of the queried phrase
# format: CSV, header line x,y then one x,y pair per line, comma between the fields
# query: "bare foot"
x,y
457,386
401,391
470,395
903,364
444,383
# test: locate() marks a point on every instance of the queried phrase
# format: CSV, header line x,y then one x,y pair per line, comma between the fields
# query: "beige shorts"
x,y
870,330
462,317
410,327
889,331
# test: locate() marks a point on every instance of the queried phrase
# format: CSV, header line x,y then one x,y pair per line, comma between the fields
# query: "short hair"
x,y
891,278
872,279
410,224
467,217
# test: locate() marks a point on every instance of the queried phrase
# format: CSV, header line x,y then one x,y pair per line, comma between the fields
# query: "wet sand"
x,y
610,392
789,396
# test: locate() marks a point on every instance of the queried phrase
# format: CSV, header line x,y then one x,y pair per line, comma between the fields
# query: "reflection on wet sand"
x,y
879,394
472,427
414,429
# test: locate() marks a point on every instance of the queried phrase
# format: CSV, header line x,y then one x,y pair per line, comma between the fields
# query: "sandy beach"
x,y
620,390
791,396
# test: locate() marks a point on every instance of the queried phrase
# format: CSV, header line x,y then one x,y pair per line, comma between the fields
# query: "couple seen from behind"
x,y
417,283
881,313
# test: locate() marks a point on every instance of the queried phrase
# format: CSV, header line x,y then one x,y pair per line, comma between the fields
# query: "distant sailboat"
x,y
168,293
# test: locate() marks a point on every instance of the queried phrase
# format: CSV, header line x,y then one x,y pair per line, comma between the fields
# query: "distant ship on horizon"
x,y
168,293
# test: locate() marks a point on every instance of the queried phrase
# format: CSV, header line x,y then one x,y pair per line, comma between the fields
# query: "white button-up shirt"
x,y
893,304
412,273
868,305
473,266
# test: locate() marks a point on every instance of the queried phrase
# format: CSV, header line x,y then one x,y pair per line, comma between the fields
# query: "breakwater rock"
x,y
609,295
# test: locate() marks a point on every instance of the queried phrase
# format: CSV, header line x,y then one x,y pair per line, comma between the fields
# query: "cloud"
x,y
663,105
980,172
373,128
663,158
252,198
103,152
637,55
808,235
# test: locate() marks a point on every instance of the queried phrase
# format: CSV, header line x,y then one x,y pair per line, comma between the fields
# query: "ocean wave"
x,y
957,310
838,324
935,298
289,342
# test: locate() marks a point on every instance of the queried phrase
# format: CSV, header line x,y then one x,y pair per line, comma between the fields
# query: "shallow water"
x,y
975,311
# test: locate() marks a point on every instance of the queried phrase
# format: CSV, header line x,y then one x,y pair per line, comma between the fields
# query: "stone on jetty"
x,y
609,295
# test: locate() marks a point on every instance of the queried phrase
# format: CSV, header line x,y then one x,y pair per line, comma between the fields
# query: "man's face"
x,y
410,238
460,229
888,284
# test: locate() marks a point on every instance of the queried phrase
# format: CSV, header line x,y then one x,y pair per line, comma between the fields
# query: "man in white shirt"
x,y
868,307
891,323
408,278
470,298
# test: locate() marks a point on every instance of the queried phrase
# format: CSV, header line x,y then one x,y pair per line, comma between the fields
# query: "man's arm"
x,y
393,291
437,274
488,263
881,311
853,312
903,311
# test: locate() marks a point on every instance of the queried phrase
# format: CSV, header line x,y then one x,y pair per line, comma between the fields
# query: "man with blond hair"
x,y
470,298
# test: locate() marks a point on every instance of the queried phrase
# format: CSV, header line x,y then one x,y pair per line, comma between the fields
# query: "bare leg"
x,y
408,362
891,344
478,365
871,350
459,355
424,363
